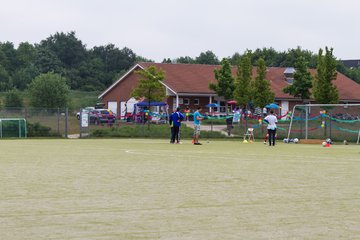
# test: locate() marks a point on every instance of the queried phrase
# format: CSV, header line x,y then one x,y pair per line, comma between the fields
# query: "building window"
x,y
290,80
186,101
196,101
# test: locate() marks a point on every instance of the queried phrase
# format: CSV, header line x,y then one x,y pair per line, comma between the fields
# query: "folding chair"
x,y
249,135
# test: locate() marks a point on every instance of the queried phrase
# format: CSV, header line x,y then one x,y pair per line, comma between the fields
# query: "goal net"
x,y
13,128
338,122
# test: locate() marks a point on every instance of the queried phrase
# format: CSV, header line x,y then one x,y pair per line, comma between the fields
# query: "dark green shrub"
x,y
38,130
155,131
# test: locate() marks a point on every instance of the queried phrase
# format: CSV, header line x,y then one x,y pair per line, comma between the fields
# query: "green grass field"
x,y
149,189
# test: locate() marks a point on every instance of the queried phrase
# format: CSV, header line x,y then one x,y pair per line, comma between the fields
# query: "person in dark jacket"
x,y
229,125
176,119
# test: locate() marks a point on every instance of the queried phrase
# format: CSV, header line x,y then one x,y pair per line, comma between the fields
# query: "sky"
x,y
158,29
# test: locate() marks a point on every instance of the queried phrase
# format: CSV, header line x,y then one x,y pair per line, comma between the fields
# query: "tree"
x,y
150,85
302,81
66,47
23,76
262,93
185,60
25,54
324,91
207,57
225,81
46,61
242,93
49,90
8,57
13,99
235,59
5,79
168,60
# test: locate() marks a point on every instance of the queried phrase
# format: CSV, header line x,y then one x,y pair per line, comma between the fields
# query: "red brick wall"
x,y
122,91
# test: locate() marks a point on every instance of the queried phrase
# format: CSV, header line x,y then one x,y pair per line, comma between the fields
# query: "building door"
x,y
112,105
284,108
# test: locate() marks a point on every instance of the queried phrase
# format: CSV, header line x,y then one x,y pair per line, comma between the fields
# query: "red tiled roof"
x,y
195,79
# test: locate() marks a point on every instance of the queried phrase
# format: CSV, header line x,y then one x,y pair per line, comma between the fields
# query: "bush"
x,y
13,99
155,131
38,130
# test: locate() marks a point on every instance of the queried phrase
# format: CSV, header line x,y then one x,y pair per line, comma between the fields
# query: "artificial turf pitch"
x,y
150,189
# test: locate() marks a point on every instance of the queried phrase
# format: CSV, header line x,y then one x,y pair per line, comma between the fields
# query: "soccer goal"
x,y
13,128
338,122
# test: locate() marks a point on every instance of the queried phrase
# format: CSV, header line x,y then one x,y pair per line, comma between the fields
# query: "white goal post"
x,y
308,107
13,127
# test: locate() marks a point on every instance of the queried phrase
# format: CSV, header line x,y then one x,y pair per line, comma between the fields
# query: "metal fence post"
x,y
66,122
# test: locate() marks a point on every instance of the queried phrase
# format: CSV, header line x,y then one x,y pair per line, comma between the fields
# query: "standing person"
x,y
176,117
229,125
271,119
171,126
187,113
197,121
264,111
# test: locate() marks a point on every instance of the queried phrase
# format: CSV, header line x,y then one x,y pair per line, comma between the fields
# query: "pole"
x,y
66,122
330,115
80,122
306,122
58,121
358,138
19,129
291,121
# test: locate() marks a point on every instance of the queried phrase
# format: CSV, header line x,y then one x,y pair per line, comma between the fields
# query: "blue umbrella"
x,y
272,105
213,105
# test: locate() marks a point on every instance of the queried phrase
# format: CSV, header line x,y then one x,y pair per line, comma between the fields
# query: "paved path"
x,y
215,128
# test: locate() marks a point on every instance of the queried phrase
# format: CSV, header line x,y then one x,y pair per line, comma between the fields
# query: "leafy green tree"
x,y
324,91
185,60
225,85
66,47
8,57
25,54
235,59
46,61
302,81
262,93
168,60
149,85
207,57
5,80
23,76
353,73
49,90
242,93
142,59
13,99
92,74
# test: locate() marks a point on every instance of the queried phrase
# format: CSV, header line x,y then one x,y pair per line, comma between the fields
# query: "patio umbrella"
x,y
212,105
272,105
232,102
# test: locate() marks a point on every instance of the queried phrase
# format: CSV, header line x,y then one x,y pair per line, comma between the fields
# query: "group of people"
x,y
175,120
177,117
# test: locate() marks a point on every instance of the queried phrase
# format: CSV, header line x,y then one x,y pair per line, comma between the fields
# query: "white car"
x,y
84,110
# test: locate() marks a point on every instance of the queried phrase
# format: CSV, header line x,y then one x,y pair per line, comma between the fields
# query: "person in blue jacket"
x,y
176,119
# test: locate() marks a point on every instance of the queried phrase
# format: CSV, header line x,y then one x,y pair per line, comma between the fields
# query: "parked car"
x,y
97,116
84,110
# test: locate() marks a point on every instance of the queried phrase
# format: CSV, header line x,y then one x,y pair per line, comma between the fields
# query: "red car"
x,y
98,116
